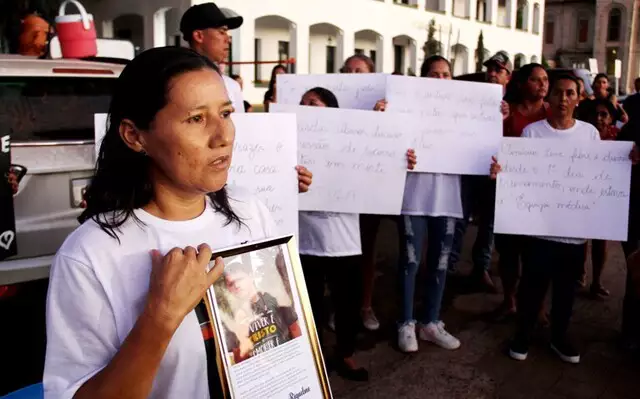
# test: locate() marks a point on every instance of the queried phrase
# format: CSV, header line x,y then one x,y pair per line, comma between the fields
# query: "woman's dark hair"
x,y
520,79
235,76
272,80
608,105
370,64
122,182
428,63
599,76
565,76
326,96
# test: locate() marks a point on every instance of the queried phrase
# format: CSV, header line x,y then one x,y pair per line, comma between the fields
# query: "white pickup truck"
x,y
47,107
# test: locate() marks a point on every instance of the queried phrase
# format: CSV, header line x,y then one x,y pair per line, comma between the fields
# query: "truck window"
x,y
52,108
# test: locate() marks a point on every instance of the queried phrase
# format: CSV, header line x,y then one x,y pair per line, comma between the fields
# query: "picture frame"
x,y
265,336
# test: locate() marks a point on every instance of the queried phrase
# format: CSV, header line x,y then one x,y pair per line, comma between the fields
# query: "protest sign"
x,y
563,188
460,124
264,161
353,90
8,246
358,159
265,330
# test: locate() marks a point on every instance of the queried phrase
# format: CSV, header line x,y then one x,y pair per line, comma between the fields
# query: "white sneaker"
x,y
369,319
435,333
407,341
332,322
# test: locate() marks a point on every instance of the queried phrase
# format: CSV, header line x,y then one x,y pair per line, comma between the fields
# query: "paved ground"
x,y
480,369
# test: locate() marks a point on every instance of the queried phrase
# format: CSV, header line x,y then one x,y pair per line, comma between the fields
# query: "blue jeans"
x,y
438,232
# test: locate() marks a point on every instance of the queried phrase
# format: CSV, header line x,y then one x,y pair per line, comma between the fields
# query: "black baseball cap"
x,y
204,16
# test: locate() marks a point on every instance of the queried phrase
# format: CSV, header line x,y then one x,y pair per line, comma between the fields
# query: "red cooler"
x,y
77,32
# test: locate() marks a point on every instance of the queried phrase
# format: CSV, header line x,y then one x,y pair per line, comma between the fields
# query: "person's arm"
x,y
294,330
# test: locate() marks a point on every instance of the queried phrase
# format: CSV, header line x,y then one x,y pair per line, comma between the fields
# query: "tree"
x,y
431,46
480,53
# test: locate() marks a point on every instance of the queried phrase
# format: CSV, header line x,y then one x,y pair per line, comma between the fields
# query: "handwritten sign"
x,y
353,90
461,123
8,246
560,188
358,159
100,130
264,161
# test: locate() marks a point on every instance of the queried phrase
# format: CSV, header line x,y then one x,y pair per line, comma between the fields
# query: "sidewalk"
x,y
480,368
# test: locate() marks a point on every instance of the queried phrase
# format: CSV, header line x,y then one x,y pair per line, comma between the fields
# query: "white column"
x,y
492,11
160,28
512,10
107,29
379,53
387,55
348,46
530,17
422,4
472,9
300,47
148,30
445,6
413,56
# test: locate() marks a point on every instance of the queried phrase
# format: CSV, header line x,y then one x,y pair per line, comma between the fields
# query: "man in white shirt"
x,y
206,28
554,260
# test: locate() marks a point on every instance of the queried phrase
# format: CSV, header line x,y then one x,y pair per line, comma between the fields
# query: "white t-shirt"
x,y
329,234
235,93
98,288
580,131
432,194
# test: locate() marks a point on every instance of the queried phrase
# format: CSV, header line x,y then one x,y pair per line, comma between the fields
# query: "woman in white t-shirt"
x,y
555,260
432,203
125,287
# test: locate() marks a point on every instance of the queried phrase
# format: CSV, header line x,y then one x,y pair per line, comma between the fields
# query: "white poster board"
x,y
353,90
100,130
563,188
358,159
461,124
264,161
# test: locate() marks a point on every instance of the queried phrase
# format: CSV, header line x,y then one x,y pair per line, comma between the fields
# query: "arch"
x,y
272,38
459,58
130,27
614,24
371,44
534,59
522,15
326,48
519,60
405,54
536,18
482,10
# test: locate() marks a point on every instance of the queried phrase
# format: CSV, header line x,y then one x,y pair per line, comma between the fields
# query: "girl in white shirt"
x,y
432,204
125,286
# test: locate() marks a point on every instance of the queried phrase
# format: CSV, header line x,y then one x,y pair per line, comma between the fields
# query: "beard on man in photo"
x,y
259,323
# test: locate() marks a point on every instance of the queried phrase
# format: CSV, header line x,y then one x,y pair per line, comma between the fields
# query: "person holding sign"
x,y
432,203
124,285
330,250
552,260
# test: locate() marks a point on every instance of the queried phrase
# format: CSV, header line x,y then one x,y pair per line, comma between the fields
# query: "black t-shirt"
x,y
269,326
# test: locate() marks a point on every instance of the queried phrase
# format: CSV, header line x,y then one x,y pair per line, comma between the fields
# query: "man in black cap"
x,y
206,28
479,195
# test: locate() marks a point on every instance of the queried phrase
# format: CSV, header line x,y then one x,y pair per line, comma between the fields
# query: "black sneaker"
x,y
566,351
519,349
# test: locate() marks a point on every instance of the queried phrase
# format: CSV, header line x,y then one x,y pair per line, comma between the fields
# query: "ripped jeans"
x,y
438,232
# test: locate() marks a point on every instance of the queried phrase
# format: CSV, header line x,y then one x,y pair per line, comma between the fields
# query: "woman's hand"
x,y
412,160
634,156
504,109
305,178
178,282
495,168
381,105
13,182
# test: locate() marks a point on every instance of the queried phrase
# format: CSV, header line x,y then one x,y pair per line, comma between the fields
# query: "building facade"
x,y
320,35
575,31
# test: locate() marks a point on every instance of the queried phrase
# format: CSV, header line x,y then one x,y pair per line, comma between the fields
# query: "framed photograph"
x,y
267,345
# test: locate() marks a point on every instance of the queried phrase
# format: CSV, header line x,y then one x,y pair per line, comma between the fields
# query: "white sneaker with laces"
x,y
369,319
435,333
407,341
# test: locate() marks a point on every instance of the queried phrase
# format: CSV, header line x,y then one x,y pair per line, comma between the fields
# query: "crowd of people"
x,y
119,319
